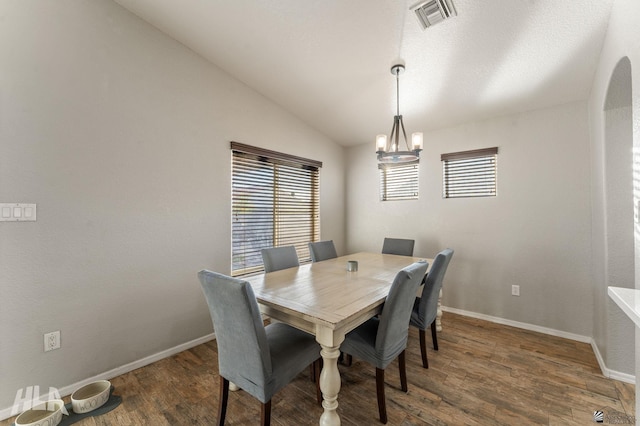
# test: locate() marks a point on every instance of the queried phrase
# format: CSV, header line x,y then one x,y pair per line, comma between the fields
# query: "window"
x,y
469,173
275,202
398,181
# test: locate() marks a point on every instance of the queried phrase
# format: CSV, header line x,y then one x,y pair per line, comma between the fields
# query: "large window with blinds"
x,y
275,202
398,181
470,173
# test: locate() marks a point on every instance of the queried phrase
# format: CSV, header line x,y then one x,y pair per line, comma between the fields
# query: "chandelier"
x,y
388,149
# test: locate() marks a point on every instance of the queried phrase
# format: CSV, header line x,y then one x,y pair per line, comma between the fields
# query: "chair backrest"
x,y
243,351
393,328
398,246
276,258
428,307
322,250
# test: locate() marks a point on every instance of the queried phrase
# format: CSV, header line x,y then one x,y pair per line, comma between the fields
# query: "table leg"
x,y
439,313
330,385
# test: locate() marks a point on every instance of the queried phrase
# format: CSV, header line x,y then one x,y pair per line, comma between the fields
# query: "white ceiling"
x,y
328,61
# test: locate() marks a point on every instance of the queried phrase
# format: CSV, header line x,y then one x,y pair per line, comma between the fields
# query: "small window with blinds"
x,y
398,181
275,202
470,173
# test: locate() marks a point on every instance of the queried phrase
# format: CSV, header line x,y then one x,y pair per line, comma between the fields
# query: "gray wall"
x,y
121,136
535,233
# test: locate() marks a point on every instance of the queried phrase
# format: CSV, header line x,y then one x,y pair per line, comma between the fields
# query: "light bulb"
x,y
416,140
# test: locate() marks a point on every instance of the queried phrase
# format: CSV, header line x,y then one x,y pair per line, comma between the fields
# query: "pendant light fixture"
x,y
388,149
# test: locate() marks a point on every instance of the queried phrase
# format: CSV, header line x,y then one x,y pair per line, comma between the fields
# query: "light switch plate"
x,y
17,212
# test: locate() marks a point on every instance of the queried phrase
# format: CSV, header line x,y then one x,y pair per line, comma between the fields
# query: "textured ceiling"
x,y
328,61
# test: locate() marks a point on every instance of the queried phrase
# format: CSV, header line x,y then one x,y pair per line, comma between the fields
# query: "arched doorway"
x,y
619,215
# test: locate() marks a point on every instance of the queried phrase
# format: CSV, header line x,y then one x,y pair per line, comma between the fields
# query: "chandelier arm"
x,y
398,122
394,131
404,133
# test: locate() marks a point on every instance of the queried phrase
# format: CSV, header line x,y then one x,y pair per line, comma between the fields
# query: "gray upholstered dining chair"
x,y
322,250
400,246
382,339
276,258
425,308
260,360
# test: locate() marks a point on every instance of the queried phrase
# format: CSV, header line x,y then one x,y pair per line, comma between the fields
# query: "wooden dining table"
x,y
328,301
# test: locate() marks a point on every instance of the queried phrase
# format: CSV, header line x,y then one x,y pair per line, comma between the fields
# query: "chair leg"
x,y
317,367
403,372
265,414
434,336
224,398
382,405
312,371
345,359
423,348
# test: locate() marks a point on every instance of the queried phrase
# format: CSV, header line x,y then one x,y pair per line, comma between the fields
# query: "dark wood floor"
x,y
483,374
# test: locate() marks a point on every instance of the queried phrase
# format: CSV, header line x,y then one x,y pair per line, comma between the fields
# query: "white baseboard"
x,y
622,377
612,374
118,371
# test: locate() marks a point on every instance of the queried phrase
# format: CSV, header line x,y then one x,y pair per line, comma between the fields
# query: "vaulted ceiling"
x,y
328,61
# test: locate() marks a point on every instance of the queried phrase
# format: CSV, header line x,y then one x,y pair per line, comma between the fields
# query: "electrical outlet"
x,y
52,341
515,290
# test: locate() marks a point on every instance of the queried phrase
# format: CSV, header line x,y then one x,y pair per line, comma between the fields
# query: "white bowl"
x,y
47,413
91,396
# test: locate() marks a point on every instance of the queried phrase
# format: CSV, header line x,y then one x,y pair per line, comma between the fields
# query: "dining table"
x,y
329,299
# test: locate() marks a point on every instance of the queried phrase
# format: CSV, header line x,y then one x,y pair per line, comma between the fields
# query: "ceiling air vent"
x,y
431,12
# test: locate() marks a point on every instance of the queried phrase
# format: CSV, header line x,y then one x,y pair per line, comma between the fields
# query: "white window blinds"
x,y
470,173
275,202
398,182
